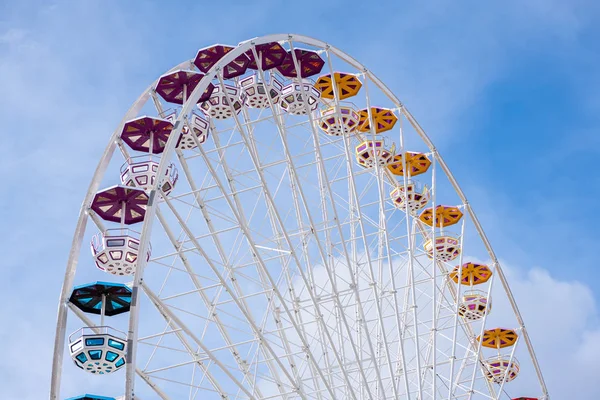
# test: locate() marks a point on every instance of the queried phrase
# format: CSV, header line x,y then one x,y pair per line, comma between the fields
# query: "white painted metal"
x,y
269,227
61,324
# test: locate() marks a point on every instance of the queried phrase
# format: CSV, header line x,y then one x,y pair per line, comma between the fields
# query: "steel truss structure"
x,y
281,268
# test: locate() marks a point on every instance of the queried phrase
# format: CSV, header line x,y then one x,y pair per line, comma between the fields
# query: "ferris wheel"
x,y
268,221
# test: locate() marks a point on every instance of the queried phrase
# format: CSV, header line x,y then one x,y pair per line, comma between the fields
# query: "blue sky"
x,y
507,90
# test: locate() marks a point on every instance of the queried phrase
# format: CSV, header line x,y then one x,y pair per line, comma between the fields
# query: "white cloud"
x,y
562,320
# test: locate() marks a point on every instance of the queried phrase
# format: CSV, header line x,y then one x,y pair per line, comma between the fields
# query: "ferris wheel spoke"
x,y
213,312
327,185
239,303
413,305
299,196
261,264
304,242
432,349
290,284
356,199
224,259
330,264
269,198
199,288
385,230
465,327
337,312
380,242
264,279
276,219
478,345
169,315
456,320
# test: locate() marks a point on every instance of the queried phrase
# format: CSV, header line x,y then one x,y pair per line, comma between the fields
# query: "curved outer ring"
x,y
59,342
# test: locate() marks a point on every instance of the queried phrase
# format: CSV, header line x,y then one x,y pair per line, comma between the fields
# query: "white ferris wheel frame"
x,y
187,107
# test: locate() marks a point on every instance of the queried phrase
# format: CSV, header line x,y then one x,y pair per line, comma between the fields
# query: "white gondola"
x,y
217,106
417,195
335,124
372,152
116,251
474,305
495,369
293,98
98,351
447,247
141,172
257,93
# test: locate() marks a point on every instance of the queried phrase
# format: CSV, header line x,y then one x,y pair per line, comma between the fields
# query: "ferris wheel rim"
x,y
164,161
79,232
